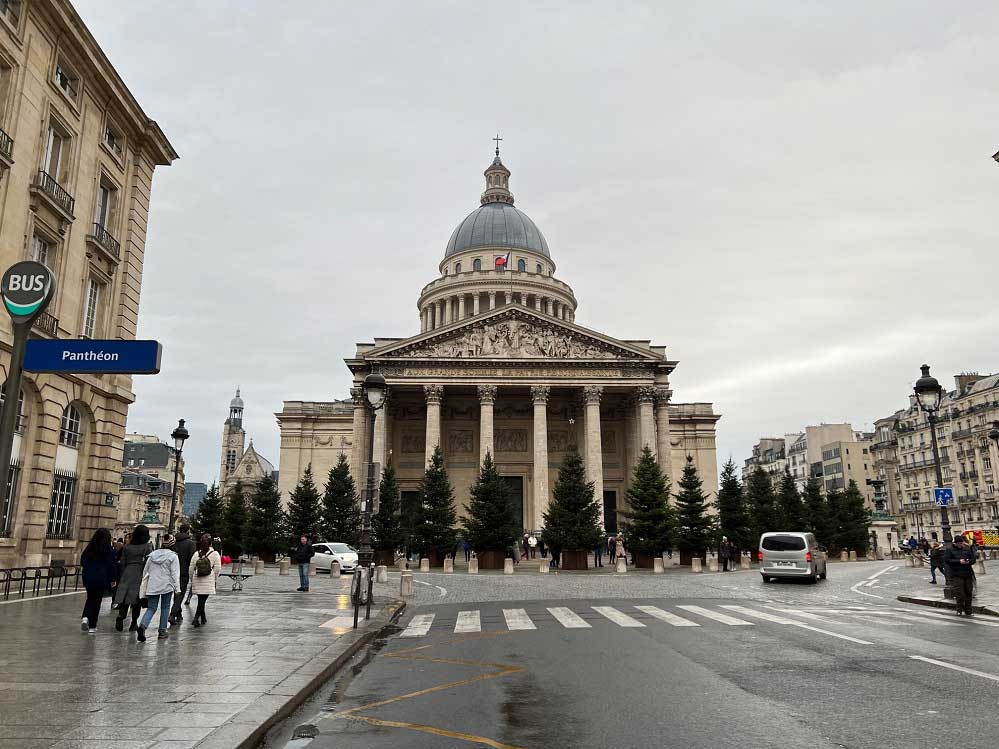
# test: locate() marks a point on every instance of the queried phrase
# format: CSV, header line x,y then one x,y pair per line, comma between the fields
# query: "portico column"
x,y
380,444
556,308
664,451
461,307
487,397
447,310
550,306
539,395
646,419
492,300
434,394
440,314
475,303
537,302
359,434
594,454
523,298
509,296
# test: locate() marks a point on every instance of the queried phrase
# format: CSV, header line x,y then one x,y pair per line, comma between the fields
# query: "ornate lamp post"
x,y
928,396
180,435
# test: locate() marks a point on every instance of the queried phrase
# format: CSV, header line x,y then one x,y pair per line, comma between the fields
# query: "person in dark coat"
x,y
99,576
959,561
133,562
936,562
302,556
185,548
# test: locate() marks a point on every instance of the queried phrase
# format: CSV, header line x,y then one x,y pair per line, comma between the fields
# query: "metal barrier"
x,y
22,581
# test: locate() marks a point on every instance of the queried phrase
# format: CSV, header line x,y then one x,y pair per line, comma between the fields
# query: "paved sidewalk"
x,y
220,686
985,602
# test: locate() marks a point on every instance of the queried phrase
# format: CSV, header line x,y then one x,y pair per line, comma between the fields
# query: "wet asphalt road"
x,y
760,666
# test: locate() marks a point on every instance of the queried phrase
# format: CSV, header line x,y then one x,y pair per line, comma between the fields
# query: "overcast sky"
x,y
797,199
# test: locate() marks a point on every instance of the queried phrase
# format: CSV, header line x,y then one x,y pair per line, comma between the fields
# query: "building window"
x,y
61,506
457,268
522,264
69,430
11,11
230,461
42,250
7,516
56,162
67,80
114,140
90,312
106,214
477,264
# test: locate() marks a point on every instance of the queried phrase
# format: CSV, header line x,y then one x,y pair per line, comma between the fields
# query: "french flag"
x,y
502,262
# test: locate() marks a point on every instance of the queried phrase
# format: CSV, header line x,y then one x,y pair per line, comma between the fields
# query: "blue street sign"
x,y
943,497
94,357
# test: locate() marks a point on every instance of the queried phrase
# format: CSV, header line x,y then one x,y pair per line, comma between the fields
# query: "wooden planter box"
x,y
575,560
686,556
643,560
491,560
385,557
436,558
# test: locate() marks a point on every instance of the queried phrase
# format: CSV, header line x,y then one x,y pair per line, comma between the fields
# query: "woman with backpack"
x,y
206,566
133,562
99,575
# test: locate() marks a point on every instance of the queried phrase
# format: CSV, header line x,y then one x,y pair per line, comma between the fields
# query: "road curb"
x,y
938,604
256,735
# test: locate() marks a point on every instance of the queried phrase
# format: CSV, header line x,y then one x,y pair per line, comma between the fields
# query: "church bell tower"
x,y
233,439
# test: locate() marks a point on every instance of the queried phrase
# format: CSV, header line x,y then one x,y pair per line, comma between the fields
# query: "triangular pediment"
x,y
513,332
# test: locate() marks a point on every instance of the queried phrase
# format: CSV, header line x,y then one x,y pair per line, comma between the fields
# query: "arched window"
x,y
69,430
540,269
522,264
457,268
477,264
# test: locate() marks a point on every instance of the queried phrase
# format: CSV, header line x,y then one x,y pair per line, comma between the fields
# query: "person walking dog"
x,y
160,580
302,556
205,567
99,575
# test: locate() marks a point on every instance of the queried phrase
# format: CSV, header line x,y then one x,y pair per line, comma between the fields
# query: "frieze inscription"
x,y
414,442
460,441
527,372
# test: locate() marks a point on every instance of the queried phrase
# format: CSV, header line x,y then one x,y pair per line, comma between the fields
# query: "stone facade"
x,y
77,155
502,366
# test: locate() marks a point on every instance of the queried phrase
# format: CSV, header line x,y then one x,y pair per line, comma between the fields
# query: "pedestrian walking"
x,y
543,549
556,557
959,561
467,548
619,550
532,545
133,562
524,547
206,566
185,547
99,576
302,556
611,549
723,553
936,562
598,555
160,581
733,556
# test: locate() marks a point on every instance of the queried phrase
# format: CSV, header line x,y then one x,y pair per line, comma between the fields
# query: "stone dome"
x,y
497,225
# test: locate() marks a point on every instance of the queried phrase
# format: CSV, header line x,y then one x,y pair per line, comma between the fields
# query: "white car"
x,y
327,553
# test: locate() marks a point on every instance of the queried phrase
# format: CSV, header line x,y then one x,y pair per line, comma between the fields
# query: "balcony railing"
x,y
48,184
103,237
966,475
46,323
960,434
6,147
944,460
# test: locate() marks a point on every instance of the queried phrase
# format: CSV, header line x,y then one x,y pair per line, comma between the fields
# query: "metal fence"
x,y
38,581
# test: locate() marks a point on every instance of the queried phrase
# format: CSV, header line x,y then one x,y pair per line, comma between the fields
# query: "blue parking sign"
x,y
943,496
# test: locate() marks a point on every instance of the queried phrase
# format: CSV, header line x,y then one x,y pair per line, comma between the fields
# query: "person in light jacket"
x,y
161,579
133,562
206,566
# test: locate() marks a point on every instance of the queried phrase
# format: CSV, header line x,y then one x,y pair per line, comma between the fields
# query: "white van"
x,y
790,554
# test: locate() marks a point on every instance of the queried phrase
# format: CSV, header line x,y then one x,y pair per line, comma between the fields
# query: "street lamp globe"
x,y
180,435
374,387
928,391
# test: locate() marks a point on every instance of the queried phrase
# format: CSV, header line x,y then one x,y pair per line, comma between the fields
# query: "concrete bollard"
x,y
746,561
381,574
980,565
258,567
473,566
871,556
508,566
853,555
909,561
712,562
844,556
544,566
403,564
312,569
424,565
621,566
284,568
657,566
695,564
448,566
334,570
406,585
920,560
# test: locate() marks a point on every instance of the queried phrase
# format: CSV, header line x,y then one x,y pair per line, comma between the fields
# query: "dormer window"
x,y
67,81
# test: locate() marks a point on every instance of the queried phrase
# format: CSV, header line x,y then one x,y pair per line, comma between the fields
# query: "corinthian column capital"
x,y
646,394
434,393
663,396
487,393
357,395
592,393
540,393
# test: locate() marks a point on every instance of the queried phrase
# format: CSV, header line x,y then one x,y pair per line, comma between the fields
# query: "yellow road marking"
x,y
436,731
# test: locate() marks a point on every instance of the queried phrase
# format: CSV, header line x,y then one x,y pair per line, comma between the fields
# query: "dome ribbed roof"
x,y
497,225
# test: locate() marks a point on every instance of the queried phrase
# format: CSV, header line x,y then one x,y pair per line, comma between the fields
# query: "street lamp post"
x,y
928,396
374,390
180,435
994,436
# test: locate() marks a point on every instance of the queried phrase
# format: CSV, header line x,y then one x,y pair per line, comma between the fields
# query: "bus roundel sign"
x,y
27,288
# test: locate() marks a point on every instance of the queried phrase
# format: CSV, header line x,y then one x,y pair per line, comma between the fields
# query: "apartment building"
x,y
77,156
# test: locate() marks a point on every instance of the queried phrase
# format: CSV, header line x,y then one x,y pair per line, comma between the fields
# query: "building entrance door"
x,y
516,484
610,511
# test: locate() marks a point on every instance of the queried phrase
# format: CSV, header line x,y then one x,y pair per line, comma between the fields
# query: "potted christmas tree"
x,y
386,530
435,533
491,526
695,527
649,528
572,523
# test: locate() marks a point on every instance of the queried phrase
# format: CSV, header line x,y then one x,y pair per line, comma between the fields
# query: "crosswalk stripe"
x,y
517,619
940,615
419,625
666,616
856,613
618,617
568,618
468,621
783,620
718,617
